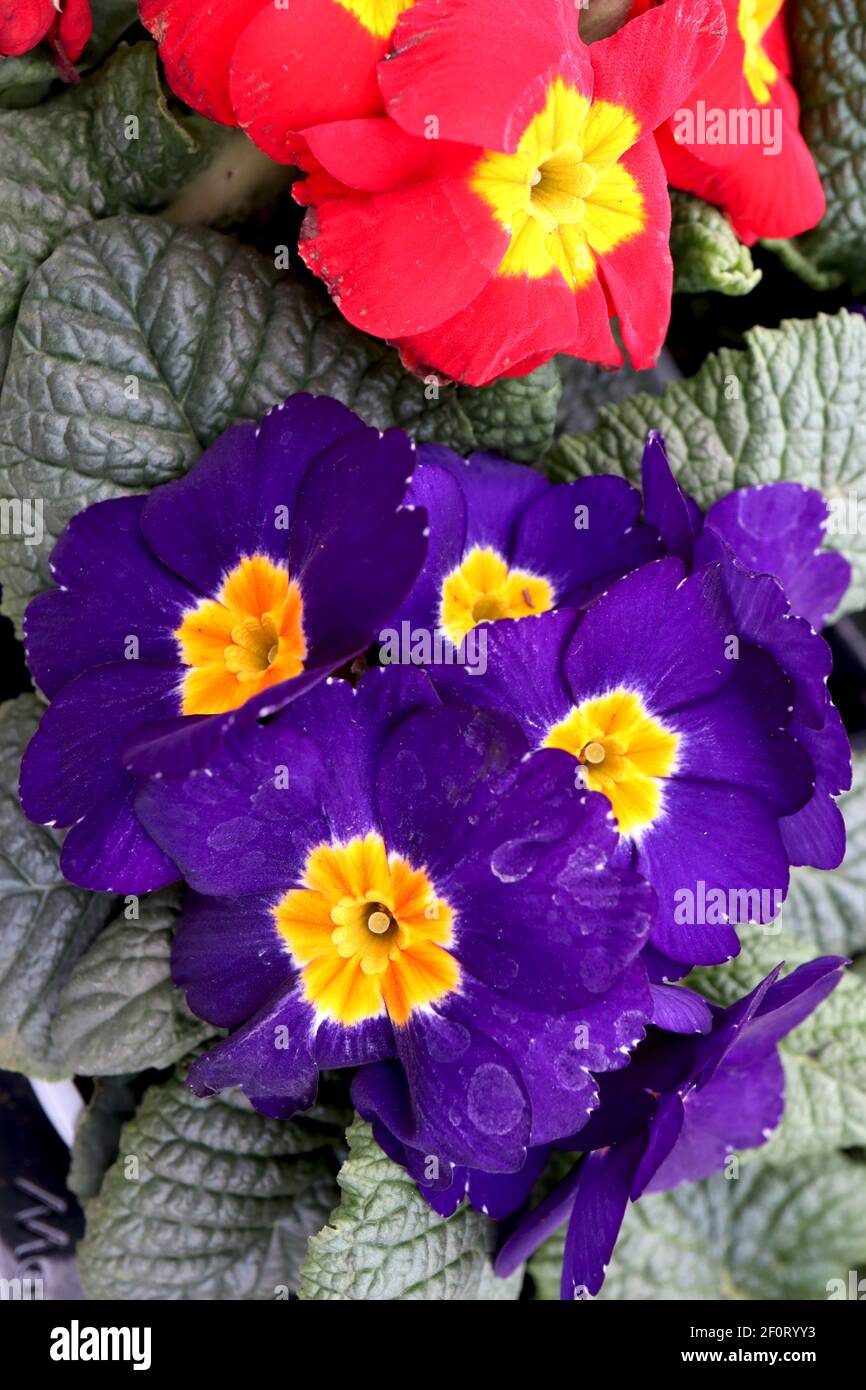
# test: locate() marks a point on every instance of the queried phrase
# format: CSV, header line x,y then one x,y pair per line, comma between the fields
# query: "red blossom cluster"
x,y
484,188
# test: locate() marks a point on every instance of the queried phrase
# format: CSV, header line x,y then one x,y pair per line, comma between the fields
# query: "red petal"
x,y
514,325
196,41
24,24
481,68
764,195
652,64
398,263
309,64
376,156
638,273
76,24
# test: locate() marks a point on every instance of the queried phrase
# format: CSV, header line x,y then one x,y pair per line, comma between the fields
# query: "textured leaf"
x,y
773,1233
707,254
139,342
97,1134
118,1010
385,1243
45,924
586,388
26,80
791,405
208,1200
830,61
824,1058
828,910
77,158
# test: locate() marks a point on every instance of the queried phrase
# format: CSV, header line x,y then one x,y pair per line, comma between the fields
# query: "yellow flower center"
x,y
753,20
248,638
482,589
379,17
624,752
564,195
368,932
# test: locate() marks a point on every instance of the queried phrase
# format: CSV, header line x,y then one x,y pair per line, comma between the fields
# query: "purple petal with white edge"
x,y
228,957
665,504
235,501
786,1004
557,1055
72,773
113,588
244,824
816,834
680,1010
763,616
739,1109
665,1128
439,494
350,726
600,1200
708,1053
496,493
519,851
535,1228
582,536
271,1057
524,672
714,854
354,548
728,738
470,1105
109,850
656,633
778,529
660,968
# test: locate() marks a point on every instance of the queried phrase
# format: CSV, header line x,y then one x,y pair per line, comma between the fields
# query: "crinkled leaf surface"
x,y
118,1010
94,150
707,254
45,923
138,343
208,1200
792,405
384,1242
97,1134
830,63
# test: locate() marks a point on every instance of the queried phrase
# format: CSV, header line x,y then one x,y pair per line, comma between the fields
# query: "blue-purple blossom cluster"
x,y
480,883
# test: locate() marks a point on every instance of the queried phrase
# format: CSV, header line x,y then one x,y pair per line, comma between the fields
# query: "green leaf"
x,y
771,1234
208,1200
791,405
45,924
26,80
824,1058
97,1134
707,254
118,1010
110,144
826,909
830,67
385,1243
139,342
